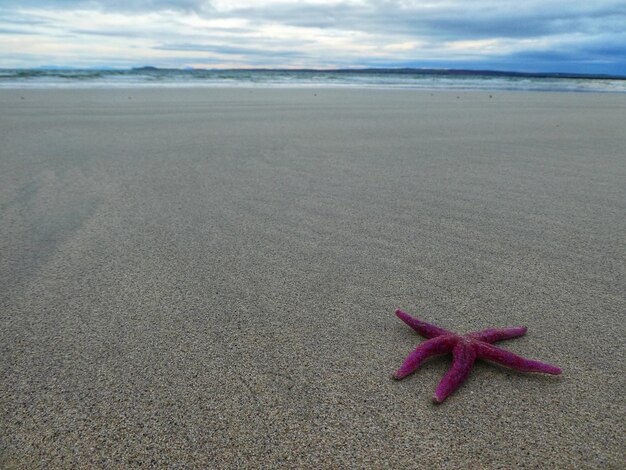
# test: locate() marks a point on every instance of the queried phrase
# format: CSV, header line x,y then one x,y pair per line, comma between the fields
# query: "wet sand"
x,y
208,277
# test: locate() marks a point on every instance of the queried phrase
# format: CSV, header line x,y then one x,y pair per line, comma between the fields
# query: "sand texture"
x,y
207,278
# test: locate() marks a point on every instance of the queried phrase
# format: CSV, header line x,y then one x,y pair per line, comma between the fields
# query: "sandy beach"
x,y
207,278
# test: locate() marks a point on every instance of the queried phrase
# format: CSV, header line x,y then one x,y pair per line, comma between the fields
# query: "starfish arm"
x,y
464,357
434,346
425,329
507,358
492,335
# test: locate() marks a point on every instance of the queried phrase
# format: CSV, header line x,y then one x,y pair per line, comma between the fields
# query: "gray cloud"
x,y
10,31
111,5
529,35
233,50
459,20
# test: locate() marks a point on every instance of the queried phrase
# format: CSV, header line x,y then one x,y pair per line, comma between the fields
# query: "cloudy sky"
x,y
524,35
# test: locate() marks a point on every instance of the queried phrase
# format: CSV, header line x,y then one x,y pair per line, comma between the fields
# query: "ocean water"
x,y
411,79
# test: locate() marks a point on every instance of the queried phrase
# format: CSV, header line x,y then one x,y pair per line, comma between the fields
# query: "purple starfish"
x,y
465,349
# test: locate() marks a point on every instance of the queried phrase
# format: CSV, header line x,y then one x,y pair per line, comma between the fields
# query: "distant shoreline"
x,y
369,70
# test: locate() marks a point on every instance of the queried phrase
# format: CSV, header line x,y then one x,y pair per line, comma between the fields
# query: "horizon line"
x,y
399,69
